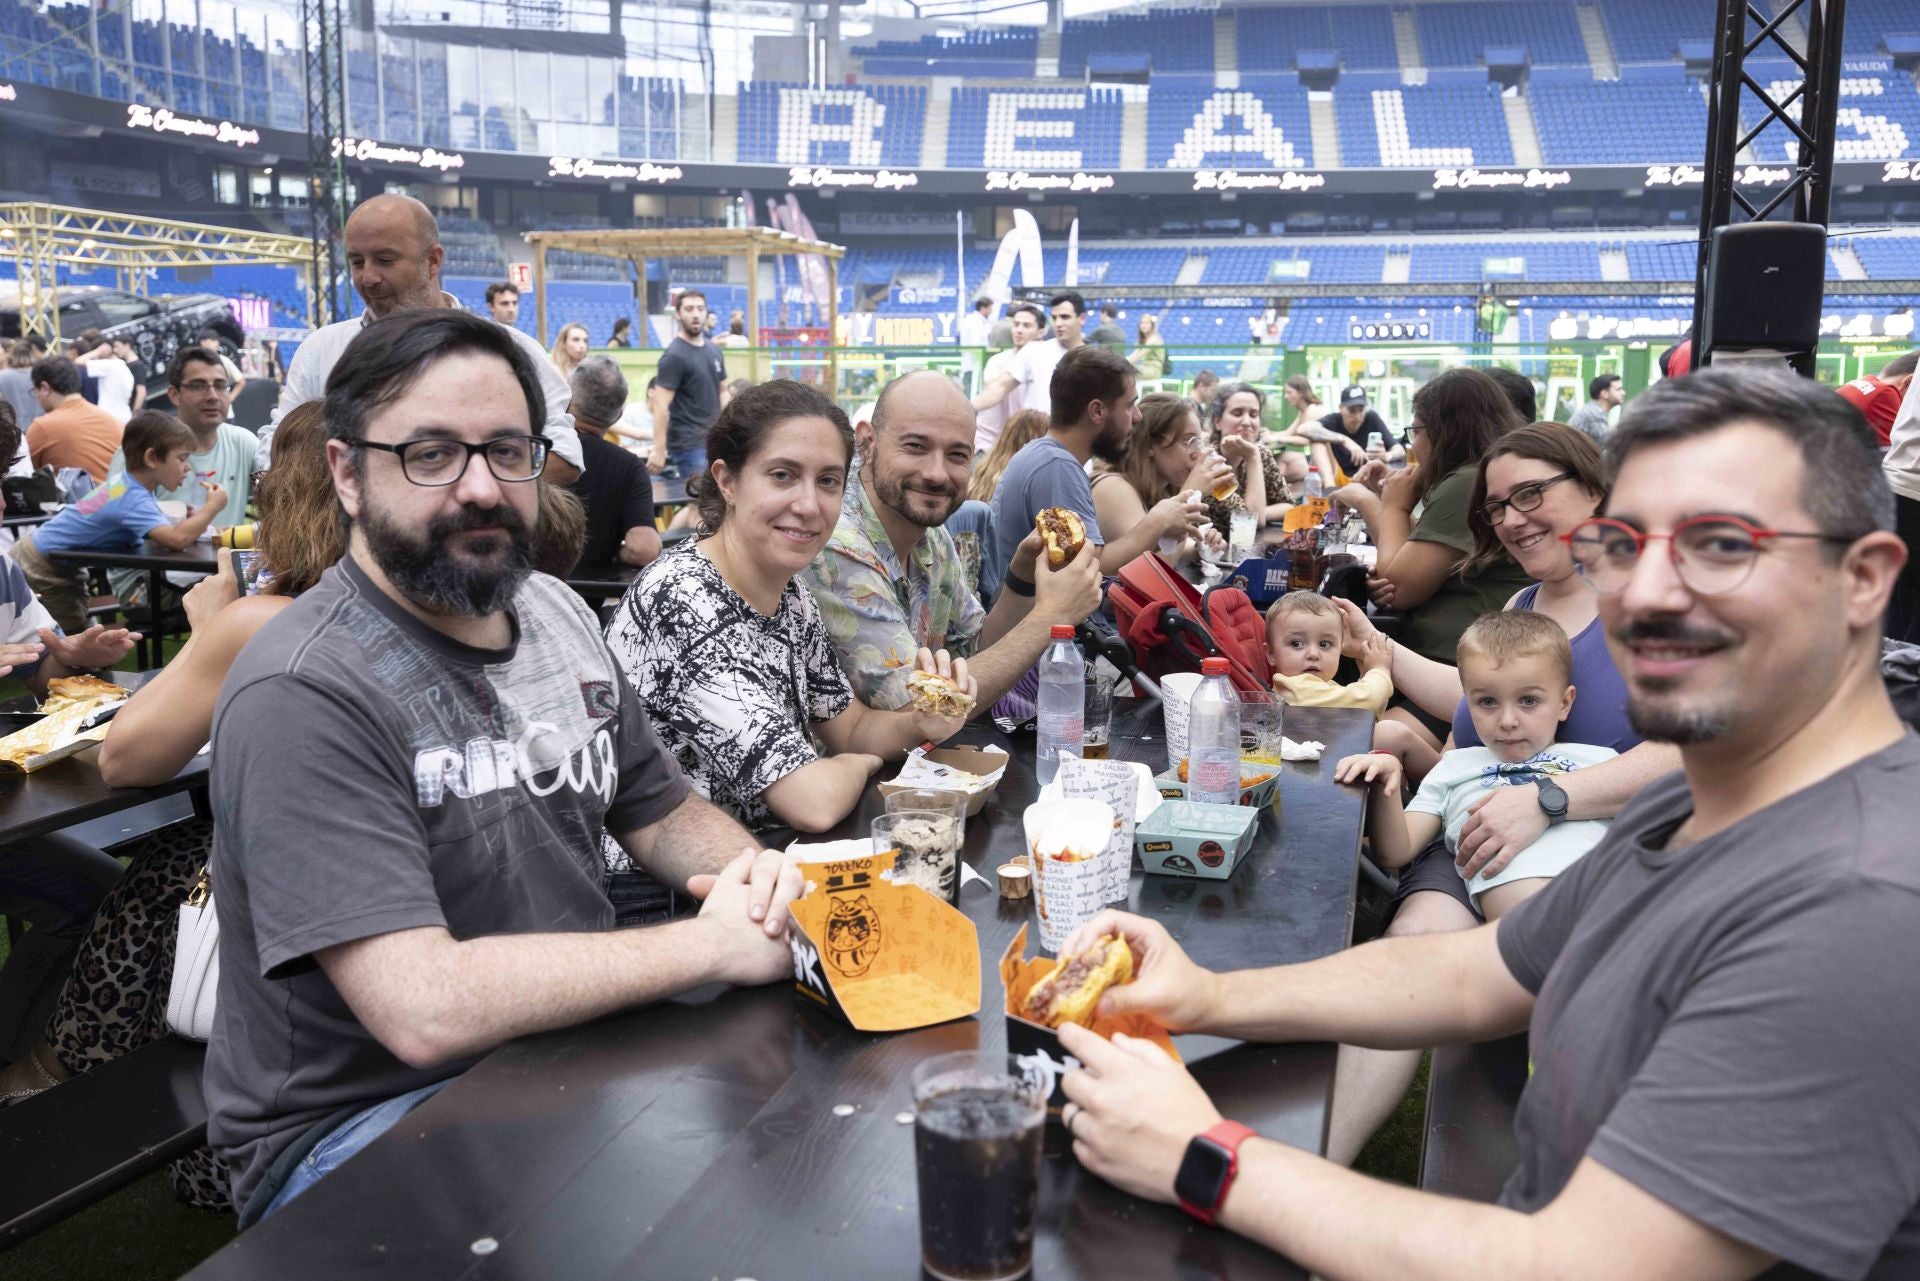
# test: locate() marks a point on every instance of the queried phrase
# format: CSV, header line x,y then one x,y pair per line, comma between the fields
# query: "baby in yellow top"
x,y
1303,644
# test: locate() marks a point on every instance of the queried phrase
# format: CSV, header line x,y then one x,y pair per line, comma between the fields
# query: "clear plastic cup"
x,y
928,849
977,1135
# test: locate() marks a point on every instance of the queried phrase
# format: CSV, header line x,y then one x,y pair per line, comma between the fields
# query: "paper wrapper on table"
x,y
882,956
1176,697
1033,1049
1069,842
1127,789
70,701
951,769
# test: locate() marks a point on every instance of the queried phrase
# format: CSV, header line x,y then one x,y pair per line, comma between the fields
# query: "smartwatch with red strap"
x,y
1208,1169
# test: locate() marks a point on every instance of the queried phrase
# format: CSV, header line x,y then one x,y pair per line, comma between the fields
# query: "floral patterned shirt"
x,y
879,612
730,692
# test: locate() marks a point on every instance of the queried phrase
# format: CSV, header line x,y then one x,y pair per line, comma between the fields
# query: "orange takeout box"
x,y
884,957
1033,1049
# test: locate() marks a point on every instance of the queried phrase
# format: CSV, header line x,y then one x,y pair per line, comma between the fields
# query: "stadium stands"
x,y
1442,123
793,125
1653,114
1272,38
1167,39
1004,54
1456,33
1034,129
1266,116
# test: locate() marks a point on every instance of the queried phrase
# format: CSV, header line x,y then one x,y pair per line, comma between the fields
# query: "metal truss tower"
x,y
325,50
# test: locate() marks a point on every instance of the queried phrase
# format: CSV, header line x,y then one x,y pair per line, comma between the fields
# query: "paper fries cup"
x,y
1067,840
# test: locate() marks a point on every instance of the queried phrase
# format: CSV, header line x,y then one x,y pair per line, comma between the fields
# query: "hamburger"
x,y
1071,992
937,695
1063,533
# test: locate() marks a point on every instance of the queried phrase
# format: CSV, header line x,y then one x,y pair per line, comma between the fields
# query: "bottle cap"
x,y
1313,467
1062,631
1214,667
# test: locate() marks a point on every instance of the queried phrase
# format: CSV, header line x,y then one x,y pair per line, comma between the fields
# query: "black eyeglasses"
x,y
1524,498
443,462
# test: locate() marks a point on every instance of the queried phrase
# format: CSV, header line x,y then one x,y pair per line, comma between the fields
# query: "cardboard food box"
x,y
64,727
1033,1049
1262,578
951,769
1259,780
1187,838
884,957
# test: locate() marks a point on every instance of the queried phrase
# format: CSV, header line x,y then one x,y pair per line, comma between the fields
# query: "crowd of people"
x,y
1647,805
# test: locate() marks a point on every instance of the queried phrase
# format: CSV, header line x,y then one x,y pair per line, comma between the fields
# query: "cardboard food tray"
x,y
882,956
951,769
1033,1049
1188,838
57,735
1256,795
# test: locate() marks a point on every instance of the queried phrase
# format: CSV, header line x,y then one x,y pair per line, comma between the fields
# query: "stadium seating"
x,y
1268,112
1169,39
1016,129
1653,114
1456,33
1003,54
791,124
1272,38
1442,123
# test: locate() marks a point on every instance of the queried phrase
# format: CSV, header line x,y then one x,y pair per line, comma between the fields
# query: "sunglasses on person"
x,y
1712,555
436,462
1524,498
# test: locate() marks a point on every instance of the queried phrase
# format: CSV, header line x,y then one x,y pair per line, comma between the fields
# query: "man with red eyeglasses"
x,y
1721,996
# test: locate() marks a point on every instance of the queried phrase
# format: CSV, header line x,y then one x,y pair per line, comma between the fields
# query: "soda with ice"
x,y
977,1140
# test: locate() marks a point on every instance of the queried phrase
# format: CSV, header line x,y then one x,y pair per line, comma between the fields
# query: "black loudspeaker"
x,y
1763,289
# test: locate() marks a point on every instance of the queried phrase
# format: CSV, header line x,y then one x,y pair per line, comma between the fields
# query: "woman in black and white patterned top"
x,y
725,645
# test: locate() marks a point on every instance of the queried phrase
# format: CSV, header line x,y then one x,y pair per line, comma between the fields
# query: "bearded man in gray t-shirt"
x,y
1723,997
413,764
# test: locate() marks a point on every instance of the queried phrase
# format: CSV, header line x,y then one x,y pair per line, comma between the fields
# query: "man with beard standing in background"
x,y
686,397
414,876
1027,323
891,582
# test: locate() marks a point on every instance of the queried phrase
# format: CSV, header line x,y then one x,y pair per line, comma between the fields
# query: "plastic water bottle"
x,y
1213,737
1315,485
1063,695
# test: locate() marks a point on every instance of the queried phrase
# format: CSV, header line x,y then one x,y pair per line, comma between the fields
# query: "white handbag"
x,y
196,963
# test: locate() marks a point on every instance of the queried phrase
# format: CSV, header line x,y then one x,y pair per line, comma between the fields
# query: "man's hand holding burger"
x,y
1167,986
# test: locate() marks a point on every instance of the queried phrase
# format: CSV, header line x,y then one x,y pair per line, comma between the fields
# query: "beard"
x,y
433,575
893,493
1110,446
692,331
1652,707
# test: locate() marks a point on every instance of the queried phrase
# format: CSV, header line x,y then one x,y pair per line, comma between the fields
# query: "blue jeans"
x,y
687,463
347,1139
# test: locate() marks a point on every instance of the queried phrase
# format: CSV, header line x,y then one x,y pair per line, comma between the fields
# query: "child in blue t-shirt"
x,y
117,515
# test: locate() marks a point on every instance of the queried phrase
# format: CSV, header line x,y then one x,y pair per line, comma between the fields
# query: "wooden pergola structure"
x,y
42,238
636,246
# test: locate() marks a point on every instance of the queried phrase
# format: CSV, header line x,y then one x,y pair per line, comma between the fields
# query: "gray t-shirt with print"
x,y
371,775
1043,474
1734,1026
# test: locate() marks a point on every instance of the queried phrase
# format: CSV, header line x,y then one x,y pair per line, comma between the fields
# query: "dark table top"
x,y
601,580
148,555
696,1138
71,791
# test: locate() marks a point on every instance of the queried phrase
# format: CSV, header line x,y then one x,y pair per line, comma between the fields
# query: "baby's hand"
x,y
1381,769
1376,653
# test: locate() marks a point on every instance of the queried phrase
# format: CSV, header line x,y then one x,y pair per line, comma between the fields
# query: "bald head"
x,y
394,255
918,454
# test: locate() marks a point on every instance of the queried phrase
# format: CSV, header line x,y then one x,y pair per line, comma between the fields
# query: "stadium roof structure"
x,y
44,236
637,245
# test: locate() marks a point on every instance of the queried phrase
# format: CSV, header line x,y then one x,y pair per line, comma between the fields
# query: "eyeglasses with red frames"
x,y
1712,555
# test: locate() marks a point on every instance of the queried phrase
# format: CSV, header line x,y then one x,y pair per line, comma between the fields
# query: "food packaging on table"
x,y
1033,1049
952,769
58,734
882,956
1262,578
1190,838
1176,699
1124,786
1070,842
1259,782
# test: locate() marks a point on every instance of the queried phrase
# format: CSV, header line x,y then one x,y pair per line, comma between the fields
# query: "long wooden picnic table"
x,y
704,1137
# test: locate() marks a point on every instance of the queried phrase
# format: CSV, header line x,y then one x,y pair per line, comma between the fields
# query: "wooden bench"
x,y
1472,1092
89,1137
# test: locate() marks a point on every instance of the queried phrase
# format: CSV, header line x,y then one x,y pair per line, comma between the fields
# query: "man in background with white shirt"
x,y
1028,323
1031,371
112,377
394,256
977,324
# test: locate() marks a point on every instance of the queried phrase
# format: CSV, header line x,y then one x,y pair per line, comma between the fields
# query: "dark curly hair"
x,y
743,426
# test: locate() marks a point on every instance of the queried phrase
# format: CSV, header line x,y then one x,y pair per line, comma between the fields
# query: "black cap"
x,y
1353,396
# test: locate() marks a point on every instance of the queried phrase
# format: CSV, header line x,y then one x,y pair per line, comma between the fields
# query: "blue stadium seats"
x,y
1034,129
867,127
1271,38
1172,40
1654,114
1456,33
1438,124
1268,114
1004,54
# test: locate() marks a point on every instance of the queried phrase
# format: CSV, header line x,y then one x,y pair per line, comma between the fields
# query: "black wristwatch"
x,y
1553,801
1207,1170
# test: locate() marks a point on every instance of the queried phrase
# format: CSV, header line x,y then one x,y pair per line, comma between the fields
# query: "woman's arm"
x,y
170,717
1117,507
816,796
1433,687
1415,566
